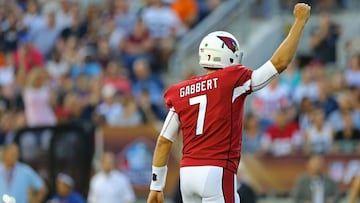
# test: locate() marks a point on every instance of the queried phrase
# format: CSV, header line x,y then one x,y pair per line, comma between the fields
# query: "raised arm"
x,y
284,53
287,49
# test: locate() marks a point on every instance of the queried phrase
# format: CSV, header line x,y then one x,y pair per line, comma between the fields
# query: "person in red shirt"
x,y
27,56
209,110
282,137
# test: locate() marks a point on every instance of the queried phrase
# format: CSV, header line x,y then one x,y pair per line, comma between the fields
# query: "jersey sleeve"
x,y
241,76
168,98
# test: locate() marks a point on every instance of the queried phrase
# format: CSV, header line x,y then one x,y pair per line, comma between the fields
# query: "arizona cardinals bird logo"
x,y
229,42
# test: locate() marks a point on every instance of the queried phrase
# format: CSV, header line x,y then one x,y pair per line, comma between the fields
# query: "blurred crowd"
x,y
61,61
64,61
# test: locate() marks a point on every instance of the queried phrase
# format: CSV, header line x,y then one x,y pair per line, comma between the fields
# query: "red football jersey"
x,y
210,110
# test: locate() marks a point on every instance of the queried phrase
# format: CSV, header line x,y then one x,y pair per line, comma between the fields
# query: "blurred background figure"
x,y
38,99
315,186
65,191
269,100
324,39
110,185
347,140
281,138
318,138
352,73
18,179
111,109
354,194
252,135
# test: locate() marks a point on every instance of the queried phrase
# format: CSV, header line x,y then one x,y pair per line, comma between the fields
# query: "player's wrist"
x,y
158,178
300,21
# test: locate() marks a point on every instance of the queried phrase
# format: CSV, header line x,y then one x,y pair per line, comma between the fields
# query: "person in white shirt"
x,y
110,185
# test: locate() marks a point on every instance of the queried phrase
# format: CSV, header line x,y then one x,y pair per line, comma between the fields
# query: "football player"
x,y
209,111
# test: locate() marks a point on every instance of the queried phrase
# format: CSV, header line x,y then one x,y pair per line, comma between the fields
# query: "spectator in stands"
x,y
18,179
117,76
72,53
305,108
89,67
315,186
77,28
27,56
131,114
164,26
325,100
282,137
354,193
145,79
103,52
252,135
161,20
63,11
352,73
114,34
44,36
109,185
269,100
10,32
7,70
65,190
138,44
338,84
32,18
125,17
318,138
324,39
39,99
7,126
345,104
347,140
56,67
306,88
151,113
111,109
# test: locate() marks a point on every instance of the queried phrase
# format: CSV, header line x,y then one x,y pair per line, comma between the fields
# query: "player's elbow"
x,y
280,63
163,141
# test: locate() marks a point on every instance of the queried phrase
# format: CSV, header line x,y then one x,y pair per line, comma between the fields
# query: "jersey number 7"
x,y
202,101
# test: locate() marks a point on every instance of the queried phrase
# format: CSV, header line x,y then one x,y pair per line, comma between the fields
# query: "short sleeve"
x,y
35,180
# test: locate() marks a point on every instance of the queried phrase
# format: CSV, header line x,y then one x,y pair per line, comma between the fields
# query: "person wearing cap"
x,y
65,192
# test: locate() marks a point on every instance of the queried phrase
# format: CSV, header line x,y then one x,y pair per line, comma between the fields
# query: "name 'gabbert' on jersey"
x,y
199,87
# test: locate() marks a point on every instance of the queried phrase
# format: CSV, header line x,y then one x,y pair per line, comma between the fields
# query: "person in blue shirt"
x,y
65,192
17,179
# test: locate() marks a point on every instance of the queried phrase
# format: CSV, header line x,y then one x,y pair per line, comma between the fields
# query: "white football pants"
x,y
208,184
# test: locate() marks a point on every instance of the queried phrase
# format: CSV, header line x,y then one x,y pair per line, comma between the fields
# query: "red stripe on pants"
x,y
228,186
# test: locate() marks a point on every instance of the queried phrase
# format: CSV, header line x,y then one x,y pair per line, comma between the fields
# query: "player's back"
x,y
210,109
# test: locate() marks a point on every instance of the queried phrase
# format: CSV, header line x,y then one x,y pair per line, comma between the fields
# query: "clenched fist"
x,y
302,11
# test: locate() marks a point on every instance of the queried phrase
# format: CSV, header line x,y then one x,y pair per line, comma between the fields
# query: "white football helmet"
x,y
219,49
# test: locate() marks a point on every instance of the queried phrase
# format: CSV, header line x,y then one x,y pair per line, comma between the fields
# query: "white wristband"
x,y
158,178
